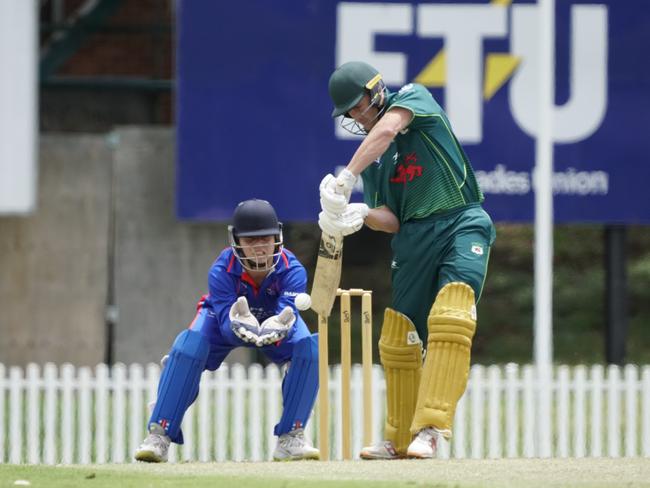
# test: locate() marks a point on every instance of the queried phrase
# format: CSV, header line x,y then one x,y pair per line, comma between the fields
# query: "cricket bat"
x,y
327,276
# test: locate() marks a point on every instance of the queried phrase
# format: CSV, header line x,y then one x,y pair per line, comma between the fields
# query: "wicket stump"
x,y
346,365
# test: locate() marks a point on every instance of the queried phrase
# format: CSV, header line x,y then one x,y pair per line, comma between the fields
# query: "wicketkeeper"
x,y
418,184
252,288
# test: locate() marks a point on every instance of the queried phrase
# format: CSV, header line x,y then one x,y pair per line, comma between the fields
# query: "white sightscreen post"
x,y
18,107
544,226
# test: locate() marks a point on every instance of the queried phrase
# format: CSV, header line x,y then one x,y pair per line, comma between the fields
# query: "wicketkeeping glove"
x,y
277,327
243,323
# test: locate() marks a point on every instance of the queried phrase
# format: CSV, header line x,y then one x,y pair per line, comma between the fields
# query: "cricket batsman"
x,y
250,303
419,185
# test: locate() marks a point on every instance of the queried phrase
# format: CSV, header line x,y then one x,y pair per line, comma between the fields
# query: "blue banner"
x,y
253,111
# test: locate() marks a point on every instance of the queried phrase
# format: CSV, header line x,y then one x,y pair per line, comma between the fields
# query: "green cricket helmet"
x,y
350,82
255,218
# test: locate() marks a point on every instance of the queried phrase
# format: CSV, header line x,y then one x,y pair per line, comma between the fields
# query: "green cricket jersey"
x,y
425,170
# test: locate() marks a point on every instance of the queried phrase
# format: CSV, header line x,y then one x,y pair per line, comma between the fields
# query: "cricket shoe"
x,y
382,450
424,445
293,446
155,448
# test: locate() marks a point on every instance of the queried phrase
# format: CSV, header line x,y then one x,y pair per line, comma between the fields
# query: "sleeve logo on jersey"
x,y
405,88
477,249
408,170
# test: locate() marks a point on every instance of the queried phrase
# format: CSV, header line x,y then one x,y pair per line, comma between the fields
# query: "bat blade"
x,y
327,276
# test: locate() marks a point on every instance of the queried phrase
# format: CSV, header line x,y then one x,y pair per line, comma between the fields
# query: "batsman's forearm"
x,y
379,138
372,147
382,219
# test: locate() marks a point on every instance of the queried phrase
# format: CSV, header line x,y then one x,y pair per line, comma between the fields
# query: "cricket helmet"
x,y
350,82
255,218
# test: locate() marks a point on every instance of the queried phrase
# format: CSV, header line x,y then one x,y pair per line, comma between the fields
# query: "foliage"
x,y
505,331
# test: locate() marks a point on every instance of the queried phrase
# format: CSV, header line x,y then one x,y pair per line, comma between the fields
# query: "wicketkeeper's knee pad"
x,y
179,382
299,386
400,350
451,323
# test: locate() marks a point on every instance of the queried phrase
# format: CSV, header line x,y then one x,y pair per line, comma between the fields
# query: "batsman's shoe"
x,y
293,446
155,447
382,450
424,444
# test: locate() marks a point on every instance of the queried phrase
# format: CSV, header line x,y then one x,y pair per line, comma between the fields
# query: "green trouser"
x,y
428,253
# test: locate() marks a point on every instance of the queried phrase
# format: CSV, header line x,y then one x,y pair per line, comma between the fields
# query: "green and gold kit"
x,y
425,170
427,181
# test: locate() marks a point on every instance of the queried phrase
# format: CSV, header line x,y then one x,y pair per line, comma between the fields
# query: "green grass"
x,y
506,473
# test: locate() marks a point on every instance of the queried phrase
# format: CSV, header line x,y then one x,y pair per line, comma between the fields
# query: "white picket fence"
x,y
82,415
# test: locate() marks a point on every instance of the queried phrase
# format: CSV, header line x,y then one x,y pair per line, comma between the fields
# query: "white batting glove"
x,y
356,209
243,323
349,222
329,224
345,182
335,192
276,328
330,200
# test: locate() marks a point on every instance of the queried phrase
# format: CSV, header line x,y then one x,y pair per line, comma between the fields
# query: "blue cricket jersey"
x,y
228,280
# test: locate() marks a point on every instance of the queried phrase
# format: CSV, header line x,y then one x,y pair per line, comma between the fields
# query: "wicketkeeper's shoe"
x,y
424,444
155,448
382,450
293,446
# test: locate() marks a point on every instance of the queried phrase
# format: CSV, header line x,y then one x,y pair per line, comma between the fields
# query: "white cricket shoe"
x,y
382,450
155,447
293,446
424,444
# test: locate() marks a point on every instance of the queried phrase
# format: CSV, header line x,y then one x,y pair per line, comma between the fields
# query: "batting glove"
x,y
345,182
335,192
349,222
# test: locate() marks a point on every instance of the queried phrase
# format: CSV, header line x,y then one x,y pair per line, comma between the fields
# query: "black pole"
x,y
111,311
616,294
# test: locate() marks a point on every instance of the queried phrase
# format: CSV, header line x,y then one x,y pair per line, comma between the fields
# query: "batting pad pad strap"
x,y
299,386
179,382
400,351
401,357
451,324
453,334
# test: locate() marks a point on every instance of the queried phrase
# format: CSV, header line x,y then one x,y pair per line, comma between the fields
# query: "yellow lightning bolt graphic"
x,y
498,67
434,73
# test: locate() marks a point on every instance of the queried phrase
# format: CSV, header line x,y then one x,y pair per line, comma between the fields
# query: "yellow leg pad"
x,y
451,324
400,350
